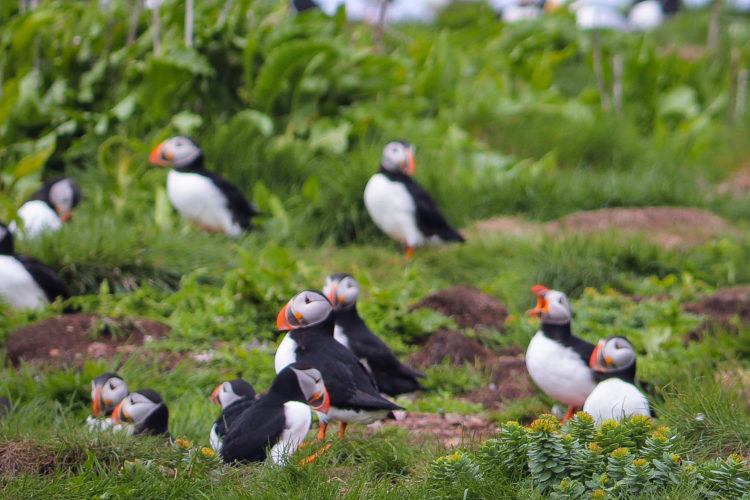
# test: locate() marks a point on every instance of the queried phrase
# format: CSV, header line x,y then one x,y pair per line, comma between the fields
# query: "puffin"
x,y
107,391
558,361
400,207
392,377
233,397
355,398
199,195
278,422
143,413
48,208
616,395
26,283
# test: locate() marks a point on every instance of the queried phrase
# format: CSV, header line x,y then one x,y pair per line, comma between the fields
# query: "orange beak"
x,y
157,156
332,294
321,402
66,215
116,413
282,323
594,359
411,164
97,401
541,303
215,395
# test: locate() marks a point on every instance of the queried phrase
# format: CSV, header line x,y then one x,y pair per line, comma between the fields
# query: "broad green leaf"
x,y
34,162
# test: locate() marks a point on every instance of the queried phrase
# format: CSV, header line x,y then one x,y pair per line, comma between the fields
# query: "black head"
x,y
179,152
303,383
342,290
62,194
307,308
614,356
6,240
145,410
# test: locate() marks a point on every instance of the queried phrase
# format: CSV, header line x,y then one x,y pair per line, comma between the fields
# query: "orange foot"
x,y
409,253
342,430
314,456
571,411
322,431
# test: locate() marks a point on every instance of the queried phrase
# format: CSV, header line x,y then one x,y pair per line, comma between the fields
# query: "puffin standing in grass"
x,y
279,420
26,283
48,208
402,208
392,377
355,398
557,361
616,395
107,391
143,413
234,397
199,195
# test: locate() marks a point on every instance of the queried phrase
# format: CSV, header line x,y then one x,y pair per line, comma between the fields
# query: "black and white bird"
x,y
26,283
143,413
393,377
48,208
107,391
278,422
616,396
557,361
234,397
402,208
355,398
199,195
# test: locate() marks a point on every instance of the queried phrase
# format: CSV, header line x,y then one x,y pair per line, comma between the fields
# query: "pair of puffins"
x,y
600,379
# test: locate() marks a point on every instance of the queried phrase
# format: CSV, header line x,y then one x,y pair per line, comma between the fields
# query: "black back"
x,y
430,219
242,210
392,377
349,384
253,431
303,5
42,194
230,414
157,422
562,334
48,281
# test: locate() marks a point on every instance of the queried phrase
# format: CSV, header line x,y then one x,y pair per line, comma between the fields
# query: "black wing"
x,y
230,414
348,382
49,282
242,210
252,432
156,424
430,219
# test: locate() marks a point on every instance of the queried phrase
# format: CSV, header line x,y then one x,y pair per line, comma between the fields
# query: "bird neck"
x,y
194,166
347,316
626,374
557,332
309,336
394,175
6,245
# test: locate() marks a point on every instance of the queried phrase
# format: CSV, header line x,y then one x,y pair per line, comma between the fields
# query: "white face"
x,y
398,157
136,408
226,395
110,393
62,196
305,309
177,152
616,353
342,294
555,307
312,387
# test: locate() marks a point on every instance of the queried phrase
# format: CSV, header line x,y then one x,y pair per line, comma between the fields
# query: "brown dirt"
x,y
508,225
737,185
668,227
468,306
447,430
25,457
70,339
507,369
720,309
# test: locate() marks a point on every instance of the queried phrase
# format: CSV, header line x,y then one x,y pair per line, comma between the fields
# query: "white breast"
x,y
214,439
297,418
199,200
393,210
285,354
17,287
615,399
340,336
37,217
558,370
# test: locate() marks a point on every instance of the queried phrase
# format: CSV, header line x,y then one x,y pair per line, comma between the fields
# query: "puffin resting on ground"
x,y
48,208
143,413
402,208
26,283
616,395
355,398
233,397
201,196
557,361
392,377
107,391
279,420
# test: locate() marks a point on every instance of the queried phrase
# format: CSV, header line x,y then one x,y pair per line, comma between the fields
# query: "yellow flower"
x,y
584,417
183,443
543,424
640,462
208,452
620,453
598,494
595,448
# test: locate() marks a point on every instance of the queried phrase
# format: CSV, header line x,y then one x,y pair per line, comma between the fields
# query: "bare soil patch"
x,y
509,225
668,227
25,457
720,309
70,339
507,369
468,306
737,184
447,430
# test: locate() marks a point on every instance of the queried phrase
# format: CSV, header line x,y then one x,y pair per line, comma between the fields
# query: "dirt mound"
x,y
508,225
737,185
449,429
25,457
468,306
507,369
724,304
69,339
